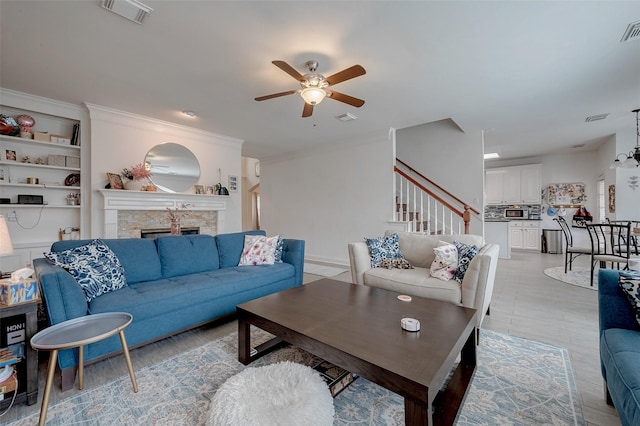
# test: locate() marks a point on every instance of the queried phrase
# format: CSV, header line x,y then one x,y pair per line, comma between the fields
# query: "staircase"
x,y
425,206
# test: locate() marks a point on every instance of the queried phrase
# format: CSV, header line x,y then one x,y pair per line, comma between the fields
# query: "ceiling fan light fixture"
x,y
313,95
633,158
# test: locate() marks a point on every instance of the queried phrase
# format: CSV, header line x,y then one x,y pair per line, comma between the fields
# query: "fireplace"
x,y
128,213
157,232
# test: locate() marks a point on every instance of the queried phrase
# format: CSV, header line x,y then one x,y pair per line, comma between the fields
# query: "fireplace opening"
x,y
157,232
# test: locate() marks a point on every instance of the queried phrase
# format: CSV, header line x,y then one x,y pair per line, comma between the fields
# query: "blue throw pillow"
x,y
629,282
279,249
94,266
466,252
381,248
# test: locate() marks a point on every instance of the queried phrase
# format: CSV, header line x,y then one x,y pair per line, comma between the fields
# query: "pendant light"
x,y
633,158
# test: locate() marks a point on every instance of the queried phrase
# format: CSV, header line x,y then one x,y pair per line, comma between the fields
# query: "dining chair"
x,y
610,242
633,236
570,252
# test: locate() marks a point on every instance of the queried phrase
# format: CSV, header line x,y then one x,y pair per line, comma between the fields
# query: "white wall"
x,y
627,198
330,196
249,180
432,149
120,139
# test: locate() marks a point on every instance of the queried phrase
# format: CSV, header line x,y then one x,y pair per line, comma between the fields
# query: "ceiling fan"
x,y
314,87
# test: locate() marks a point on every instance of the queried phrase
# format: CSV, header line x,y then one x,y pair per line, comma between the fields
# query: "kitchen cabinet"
x,y
524,234
514,185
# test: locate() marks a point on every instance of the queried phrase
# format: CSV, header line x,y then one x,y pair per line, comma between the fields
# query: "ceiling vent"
x,y
632,32
596,117
346,117
133,10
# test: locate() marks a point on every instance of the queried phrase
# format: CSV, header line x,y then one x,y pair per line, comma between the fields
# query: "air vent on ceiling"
x,y
347,116
632,32
596,117
133,10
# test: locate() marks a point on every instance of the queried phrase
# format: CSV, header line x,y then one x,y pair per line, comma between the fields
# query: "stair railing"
x,y
424,209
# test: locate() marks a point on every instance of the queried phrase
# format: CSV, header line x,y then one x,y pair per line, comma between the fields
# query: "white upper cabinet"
x,y
511,185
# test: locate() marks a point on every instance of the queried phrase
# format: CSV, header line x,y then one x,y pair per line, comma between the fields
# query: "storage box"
x,y
72,161
61,139
42,136
18,292
57,160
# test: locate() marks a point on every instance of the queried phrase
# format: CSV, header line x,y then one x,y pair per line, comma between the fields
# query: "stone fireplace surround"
x,y
127,212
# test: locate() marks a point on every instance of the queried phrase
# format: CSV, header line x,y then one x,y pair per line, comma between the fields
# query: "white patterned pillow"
x,y
94,266
466,252
396,263
258,250
445,264
629,282
383,248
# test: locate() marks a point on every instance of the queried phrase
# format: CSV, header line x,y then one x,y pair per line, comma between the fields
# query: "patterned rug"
x,y
517,382
578,276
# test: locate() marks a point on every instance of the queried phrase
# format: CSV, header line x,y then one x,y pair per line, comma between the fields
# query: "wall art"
x,y
612,198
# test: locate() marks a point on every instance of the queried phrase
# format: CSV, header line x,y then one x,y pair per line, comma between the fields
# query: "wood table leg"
x,y
81,367
127,358
53,359
244,342
417,414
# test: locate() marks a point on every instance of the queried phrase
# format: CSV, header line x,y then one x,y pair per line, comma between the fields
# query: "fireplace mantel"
x,y
115,200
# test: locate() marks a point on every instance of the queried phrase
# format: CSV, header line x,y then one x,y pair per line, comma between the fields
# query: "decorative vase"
x,y
135,185
175,226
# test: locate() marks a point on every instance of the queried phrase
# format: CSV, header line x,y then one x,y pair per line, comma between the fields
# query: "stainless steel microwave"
x,y
516,213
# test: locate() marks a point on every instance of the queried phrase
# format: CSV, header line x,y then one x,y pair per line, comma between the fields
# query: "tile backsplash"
x,y
497,212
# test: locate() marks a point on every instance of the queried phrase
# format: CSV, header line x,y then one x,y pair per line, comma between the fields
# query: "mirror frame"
x,y
174,168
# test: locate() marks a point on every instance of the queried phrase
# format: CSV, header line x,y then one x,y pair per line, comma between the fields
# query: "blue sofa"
x,y
174,283
619,348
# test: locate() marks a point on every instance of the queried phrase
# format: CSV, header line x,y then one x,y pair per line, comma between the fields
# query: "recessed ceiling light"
x,y
491,155
133,10
190,113
346,117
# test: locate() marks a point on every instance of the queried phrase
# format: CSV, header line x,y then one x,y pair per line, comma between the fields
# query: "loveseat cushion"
x,y
417,248
230,247
138,256
620,355
415,282
187,254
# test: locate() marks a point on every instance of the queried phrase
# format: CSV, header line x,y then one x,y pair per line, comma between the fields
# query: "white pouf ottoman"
x,y
284,393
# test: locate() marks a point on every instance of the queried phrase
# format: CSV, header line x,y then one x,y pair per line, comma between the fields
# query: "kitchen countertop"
x,y
496,219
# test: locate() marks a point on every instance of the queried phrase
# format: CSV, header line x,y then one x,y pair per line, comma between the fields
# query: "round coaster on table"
x,y
404,298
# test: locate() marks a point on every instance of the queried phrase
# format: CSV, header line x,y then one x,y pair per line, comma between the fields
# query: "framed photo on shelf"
x,y
210,189
199,189
10,155
115,181
233,183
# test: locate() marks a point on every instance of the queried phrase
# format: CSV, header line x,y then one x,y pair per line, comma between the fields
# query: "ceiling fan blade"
x,y
275,95
346,99
349,73
288,69
307,110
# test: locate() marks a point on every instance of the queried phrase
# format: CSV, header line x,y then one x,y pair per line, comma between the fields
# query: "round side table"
x,y
77,333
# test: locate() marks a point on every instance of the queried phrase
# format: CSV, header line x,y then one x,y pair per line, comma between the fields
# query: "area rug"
x,y
578,276
517,382
322,270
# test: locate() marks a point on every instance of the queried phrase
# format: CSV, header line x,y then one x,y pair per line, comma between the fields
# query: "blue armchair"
x,y
619,348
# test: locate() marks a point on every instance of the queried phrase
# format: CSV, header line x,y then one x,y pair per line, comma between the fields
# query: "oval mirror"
x,y
173,167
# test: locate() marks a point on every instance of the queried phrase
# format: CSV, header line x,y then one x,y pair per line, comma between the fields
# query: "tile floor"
x,y
526,303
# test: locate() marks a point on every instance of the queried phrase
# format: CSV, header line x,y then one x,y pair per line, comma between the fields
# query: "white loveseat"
x,y
417,248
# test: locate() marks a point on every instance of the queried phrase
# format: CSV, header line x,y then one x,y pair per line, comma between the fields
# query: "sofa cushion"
x,y
138,256
629,282
417,248
259,250
166,296
445,264
415,282
94,266
380,248
187,254
230,247
466,253
620,355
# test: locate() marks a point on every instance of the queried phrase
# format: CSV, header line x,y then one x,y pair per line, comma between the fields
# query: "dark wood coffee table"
x,y
358,328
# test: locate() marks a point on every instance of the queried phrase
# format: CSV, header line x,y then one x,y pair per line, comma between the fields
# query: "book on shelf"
x,y
337,378
75,134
